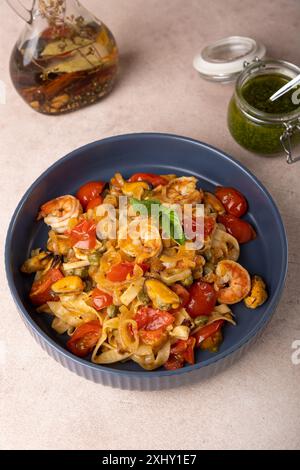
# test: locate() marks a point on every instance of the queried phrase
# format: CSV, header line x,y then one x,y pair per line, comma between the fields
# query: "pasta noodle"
x,y
150,294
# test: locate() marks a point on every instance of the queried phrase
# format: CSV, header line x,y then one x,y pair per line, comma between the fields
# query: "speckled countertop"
x,y
254,404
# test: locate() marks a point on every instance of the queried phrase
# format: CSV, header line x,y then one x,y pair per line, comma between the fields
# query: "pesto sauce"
x,y
258,138
258,90
262,138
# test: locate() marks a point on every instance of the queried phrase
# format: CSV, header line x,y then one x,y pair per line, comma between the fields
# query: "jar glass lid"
x,y
223,60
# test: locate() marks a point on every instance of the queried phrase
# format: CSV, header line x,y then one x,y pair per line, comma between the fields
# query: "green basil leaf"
x,y
171,218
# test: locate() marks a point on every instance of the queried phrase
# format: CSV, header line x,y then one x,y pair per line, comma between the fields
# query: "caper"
x,y
112,311
143,297
187,282
94,258
81,272
201,320
208,268
207,255
88,285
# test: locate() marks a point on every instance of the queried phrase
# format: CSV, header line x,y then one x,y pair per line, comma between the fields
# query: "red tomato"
x,y
240,229
89,191
101,299
149,318
41,290
155,180
120,271
185,348
209,225
182,293
189,355
85,338
174,362
142,317
203,298
83,236
182,351
145,267
151,337
233,201
179,347
152,324
94,203
207,331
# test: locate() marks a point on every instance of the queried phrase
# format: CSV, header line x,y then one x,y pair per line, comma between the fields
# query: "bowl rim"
x,y
98,368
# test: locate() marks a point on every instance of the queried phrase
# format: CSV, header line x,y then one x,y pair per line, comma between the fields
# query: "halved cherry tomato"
x,y
182,293
179,347
85,338
207,331
189,355
239,229
101,299
182,351
233,201
185,348
174,363
152,337
145,266
152,324
203,298
83,235
120,271
89,191
149,318
155,180
41,290
94,203
142,317
209,225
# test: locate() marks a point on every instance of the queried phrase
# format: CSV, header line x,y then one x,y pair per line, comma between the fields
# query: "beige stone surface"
x,y
254,404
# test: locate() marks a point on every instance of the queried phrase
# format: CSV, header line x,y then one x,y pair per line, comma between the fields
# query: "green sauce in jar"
x,y
254,121
258,90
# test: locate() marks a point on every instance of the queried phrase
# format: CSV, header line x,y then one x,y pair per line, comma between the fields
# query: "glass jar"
x,y
65,58
255,129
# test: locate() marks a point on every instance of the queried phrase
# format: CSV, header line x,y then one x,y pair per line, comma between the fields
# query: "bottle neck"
x,y
53,11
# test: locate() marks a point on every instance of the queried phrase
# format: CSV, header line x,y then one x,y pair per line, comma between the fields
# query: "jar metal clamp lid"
x,y
226,59
223,60
286,143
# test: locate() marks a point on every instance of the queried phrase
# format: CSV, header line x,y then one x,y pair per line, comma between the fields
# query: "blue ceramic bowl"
x,y
157,153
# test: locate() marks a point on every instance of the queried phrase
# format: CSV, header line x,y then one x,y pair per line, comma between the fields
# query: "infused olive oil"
x,y
65,59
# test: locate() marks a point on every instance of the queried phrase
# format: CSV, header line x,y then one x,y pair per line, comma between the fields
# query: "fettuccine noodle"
x,y
134,288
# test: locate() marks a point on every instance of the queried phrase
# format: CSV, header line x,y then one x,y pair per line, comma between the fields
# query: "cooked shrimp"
x,y
59,211
140,240
236,282
183,191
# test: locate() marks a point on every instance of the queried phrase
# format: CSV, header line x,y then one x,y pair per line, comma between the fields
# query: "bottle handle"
x,y
286,143
21,10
